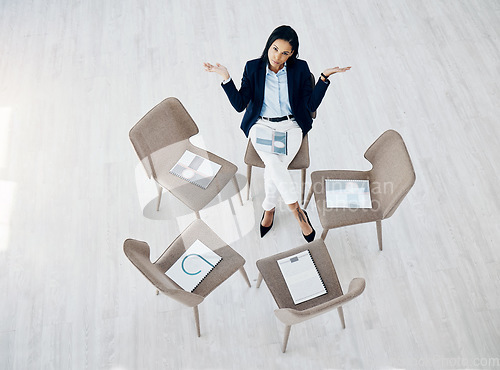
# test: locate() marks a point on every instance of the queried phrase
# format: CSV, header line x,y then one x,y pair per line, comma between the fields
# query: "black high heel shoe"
x,y
309,238
264,229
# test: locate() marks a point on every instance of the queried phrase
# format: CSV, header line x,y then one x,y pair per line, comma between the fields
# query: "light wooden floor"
x,y
75,76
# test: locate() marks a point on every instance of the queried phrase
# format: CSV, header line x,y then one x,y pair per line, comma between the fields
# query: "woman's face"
x,y
278,54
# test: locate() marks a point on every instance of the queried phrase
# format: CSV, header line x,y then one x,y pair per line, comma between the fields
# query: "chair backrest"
x,y
392,175
138,252
167,123
290,316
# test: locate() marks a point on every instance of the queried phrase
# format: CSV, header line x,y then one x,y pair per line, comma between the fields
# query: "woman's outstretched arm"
x,y
239,99
314,97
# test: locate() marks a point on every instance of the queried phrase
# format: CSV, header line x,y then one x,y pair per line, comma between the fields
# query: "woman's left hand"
x,y
330,71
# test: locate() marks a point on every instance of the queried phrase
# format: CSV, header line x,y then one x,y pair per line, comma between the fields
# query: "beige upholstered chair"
x,y
160,138
390,178
290,313
300,162
138,253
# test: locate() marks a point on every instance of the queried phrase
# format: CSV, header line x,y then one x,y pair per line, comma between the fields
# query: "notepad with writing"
x,y
302,277
270,140
195,169
347,193
193,266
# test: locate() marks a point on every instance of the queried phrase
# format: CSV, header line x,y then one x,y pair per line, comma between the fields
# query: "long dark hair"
x,y
286,33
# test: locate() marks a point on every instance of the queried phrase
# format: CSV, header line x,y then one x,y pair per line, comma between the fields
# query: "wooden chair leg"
x,y
324,233
285,339
160,191
235,182
309,195
303,184
341,315
259,280
245,276
379,234
249,179
197,320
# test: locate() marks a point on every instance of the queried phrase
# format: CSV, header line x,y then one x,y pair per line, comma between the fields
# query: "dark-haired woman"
x,y
276,92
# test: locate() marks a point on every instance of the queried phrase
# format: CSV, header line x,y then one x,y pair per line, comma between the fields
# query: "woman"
x,y
276,93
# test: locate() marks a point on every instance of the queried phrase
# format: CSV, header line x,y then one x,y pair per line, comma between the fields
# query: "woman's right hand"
x,y
217,68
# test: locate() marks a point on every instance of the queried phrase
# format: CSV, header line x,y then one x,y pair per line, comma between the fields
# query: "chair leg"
x,y
285,339
323,234
235,182
341,315
379,234
303,184
249,179
245,276
259,280
160,191
197,320
197,213
309,195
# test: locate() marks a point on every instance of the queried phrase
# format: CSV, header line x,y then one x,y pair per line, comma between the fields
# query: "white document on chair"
x,y
193,266
195,169
272,141
347,193
302,277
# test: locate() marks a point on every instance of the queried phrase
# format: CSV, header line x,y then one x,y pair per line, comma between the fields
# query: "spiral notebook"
x,y
193,266
347,193
302,277
195,169
272,141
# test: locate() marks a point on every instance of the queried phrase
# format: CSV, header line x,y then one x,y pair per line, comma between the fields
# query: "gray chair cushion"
x,y
275,281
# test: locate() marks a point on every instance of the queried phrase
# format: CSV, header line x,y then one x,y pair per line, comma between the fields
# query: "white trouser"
x,y
277,179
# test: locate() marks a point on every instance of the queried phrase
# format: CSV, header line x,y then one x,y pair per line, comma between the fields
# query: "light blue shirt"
x,y
276,101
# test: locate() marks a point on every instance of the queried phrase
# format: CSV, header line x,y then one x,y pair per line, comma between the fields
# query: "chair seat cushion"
x,y
299,162
331,218
230,263
273,277
193,196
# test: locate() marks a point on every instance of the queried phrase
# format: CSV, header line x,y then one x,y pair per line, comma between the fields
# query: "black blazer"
x,y
250,96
